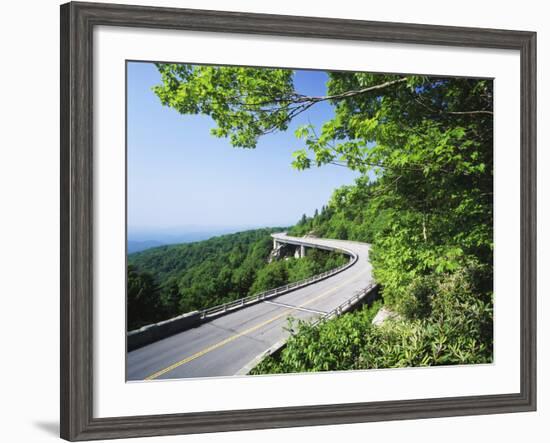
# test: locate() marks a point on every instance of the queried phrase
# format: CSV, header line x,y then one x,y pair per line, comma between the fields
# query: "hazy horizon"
x,y
152,233
140,240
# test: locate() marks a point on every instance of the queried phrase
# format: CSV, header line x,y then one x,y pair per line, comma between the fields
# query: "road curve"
x,y
223,346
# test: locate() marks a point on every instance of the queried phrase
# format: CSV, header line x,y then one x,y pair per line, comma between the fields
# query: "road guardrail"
x,y
370,290
266,295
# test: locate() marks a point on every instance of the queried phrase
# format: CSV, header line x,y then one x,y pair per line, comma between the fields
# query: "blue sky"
x,y
182,178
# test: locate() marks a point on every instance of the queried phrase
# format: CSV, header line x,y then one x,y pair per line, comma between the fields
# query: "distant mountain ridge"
x,y
141,240
136,246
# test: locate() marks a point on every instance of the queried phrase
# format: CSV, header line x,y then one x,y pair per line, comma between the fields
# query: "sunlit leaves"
x,y
245,103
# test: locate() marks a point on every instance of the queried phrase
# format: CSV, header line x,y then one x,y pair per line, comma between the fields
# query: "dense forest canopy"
x,y
424,147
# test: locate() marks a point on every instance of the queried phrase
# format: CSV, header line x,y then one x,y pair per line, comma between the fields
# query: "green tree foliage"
x,y
281,272
424,147
199,275
143,301
235,97
169,280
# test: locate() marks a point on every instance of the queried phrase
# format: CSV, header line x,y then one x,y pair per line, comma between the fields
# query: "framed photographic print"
x,y
273,221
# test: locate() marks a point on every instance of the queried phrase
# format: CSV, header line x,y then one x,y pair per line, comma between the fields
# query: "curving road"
x,y
227,344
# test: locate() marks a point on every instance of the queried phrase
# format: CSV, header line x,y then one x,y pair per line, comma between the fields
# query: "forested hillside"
x,y
170,280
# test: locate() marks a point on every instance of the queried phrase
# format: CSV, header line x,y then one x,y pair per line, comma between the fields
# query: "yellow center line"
x,y
247,331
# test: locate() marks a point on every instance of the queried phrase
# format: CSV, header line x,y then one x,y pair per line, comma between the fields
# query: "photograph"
x,y
283,220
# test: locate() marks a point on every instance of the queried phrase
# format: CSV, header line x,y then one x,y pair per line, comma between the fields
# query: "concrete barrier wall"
x,y
157,331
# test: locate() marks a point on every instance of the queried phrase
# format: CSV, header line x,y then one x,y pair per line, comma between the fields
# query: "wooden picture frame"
x,y
77,23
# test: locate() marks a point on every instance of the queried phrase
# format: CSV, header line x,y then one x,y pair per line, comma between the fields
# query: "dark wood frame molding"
x,y
77,24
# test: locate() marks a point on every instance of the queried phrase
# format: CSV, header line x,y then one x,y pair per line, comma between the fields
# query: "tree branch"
x,y
468,112
300,98
352,93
